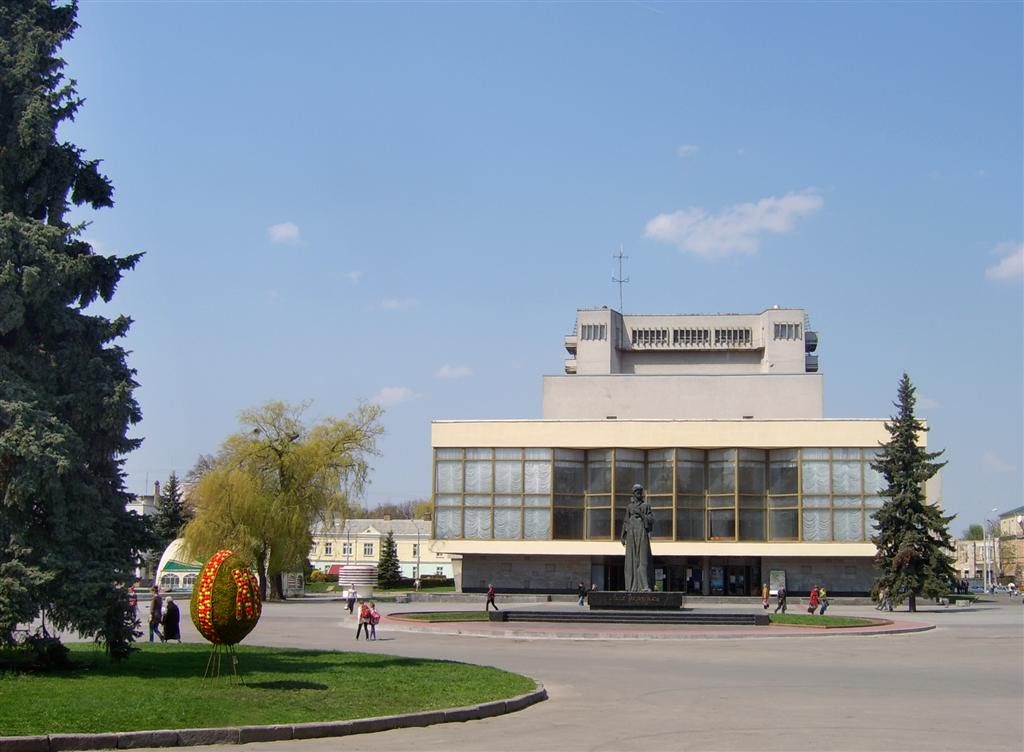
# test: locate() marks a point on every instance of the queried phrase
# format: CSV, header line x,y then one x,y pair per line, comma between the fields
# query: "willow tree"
x,y
913,536
67,544
270,482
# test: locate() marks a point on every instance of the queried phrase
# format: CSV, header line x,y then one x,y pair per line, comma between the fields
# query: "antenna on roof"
x,y
620,279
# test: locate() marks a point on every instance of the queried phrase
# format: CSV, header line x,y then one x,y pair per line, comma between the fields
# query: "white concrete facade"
x,y
723,397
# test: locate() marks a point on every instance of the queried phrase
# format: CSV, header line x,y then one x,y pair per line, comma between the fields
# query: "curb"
x,y
723,633
274,733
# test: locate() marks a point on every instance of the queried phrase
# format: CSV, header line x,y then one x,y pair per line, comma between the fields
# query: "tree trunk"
x,y
913,603
262,564
277,587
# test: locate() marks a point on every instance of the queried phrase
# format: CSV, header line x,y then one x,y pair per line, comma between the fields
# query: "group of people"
x,y
884,600
164,616
817,601
369,616
582,593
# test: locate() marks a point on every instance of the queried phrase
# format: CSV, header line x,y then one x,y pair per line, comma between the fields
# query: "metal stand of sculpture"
x,y
225,607
636,537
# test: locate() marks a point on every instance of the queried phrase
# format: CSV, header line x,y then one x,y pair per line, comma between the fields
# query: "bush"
x,y
436,580
316,576
48,653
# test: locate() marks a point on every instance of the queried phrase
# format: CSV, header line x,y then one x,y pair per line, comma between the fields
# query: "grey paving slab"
x,y
959,686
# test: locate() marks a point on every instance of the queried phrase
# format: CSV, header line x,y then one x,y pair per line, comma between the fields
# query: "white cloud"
x,y
454,372
737,229
397,304
991,461
286,233
353,276
687,150
927,402
390,396
1011,266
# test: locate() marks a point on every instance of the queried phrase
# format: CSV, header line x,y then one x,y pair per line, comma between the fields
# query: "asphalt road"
x,y
957,687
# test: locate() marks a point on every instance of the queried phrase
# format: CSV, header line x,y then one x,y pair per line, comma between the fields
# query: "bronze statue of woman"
x,y
636,537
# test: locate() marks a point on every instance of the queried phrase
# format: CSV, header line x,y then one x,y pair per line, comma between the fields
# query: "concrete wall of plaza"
x,y
558,566
709,566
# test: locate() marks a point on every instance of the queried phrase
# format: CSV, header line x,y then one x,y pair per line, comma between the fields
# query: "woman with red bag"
x,y
364,620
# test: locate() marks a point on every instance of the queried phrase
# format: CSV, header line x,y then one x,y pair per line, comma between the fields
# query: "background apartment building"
x,y
359,541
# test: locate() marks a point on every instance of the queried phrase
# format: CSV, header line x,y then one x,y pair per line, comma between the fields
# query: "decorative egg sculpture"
x,y
226,599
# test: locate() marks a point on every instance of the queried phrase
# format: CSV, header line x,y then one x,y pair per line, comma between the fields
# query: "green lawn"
x,y
807,620
162,687
446,616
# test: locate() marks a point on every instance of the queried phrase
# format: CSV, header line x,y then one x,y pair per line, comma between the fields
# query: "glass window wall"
x,y
732,494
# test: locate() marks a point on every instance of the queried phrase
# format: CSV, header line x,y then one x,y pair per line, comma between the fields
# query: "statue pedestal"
x,y
622,601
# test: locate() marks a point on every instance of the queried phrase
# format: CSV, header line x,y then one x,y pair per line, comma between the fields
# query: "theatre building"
x,y
719,417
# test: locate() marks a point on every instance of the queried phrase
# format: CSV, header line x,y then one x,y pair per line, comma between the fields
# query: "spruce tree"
x,y
389,570
171,515
67,544
913,536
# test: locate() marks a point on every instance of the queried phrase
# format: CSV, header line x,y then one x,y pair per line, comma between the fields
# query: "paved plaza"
x,y
959,686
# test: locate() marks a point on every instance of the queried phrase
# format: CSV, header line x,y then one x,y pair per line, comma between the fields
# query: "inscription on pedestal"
x,y
623,601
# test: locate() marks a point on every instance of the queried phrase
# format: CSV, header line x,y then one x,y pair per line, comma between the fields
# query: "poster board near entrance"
x,y
776,580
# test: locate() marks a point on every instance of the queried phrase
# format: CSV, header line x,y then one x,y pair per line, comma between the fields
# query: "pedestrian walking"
x,y
171,620
764,595
350,598
156,612
364,620
581,593
881,600
133,601
812,604
490,599
374,620
823,600
781,596
416,584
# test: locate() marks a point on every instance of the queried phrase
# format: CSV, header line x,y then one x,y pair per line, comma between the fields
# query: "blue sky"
x,y
408,202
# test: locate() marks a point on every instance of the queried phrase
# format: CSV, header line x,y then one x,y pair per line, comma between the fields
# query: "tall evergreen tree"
x,y
389,570
913,536
171,514
66,541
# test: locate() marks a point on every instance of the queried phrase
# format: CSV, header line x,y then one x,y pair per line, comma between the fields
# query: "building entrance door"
x,y
615,575
736,579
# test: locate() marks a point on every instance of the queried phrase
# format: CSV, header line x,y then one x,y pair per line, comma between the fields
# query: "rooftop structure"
x,y
688,366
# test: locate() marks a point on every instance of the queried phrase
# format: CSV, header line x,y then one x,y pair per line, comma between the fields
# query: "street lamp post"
x,y
990,554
